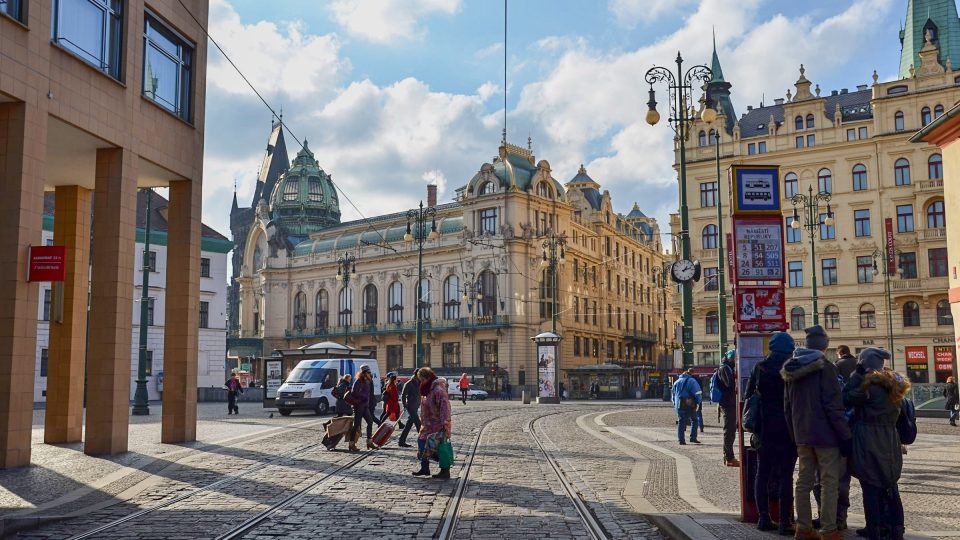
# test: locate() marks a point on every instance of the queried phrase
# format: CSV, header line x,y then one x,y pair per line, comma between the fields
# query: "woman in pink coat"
x,y
435,417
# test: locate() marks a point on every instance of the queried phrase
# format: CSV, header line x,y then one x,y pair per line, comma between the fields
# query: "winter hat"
x,y
817,339
364,368
782,342
731,355
872,358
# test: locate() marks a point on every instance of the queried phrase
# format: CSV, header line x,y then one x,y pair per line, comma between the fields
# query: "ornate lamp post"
x,y
681,116
887,258
346,268
810,204
553,255
141,404
420,216
721,259
472,295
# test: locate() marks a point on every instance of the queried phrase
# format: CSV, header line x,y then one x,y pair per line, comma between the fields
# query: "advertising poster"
x,y
758,246
943,357
760,308
274,377
917,364
547,370
755,189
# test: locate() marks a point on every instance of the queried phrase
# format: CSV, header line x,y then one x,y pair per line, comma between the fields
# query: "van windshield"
x,y
327,377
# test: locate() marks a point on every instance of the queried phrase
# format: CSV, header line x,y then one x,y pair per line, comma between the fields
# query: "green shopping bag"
x,y
445,454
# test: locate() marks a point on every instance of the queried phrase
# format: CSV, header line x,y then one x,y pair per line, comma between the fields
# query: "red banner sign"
x,y
760,308
891,248
47,263
916,355
943,358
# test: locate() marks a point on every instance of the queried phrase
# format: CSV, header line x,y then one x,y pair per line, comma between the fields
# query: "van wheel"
x,y
323,407
285,412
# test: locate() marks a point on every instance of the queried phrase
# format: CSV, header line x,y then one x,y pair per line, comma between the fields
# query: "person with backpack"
x,y
410,399
777,455
234,389
686,396
877,395
342,408
818,426
723,392
952,395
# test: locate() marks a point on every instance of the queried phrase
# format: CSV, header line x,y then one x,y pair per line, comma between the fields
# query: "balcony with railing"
x,y
405,327
934,234
926,186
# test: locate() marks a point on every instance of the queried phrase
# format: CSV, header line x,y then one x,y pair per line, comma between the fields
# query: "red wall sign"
x,y
47,263
760,308
891,247
917,355
943,358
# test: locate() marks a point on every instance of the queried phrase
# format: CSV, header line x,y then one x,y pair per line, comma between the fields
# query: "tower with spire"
x,y
932,22
718,92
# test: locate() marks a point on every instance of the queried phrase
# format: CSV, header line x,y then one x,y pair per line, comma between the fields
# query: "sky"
x,y
395,94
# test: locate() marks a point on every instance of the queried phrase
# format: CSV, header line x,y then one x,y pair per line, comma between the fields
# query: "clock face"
x,y
683,270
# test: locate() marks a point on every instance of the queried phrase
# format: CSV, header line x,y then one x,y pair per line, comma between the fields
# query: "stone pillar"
x,y
111,303
68,336
23,138
182,318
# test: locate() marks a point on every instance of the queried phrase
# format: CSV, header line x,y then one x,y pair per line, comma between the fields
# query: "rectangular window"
x,y
827,232
751,149
905,218
47,296
488,221
795,272
149,362
204,267
711,279
908,265
451,355
793,235
90,29
609,316
150,305
829,271
13,8
576,265
595,313
44,358
862,132
167,67
152,261
810,140
861,222
938,262
576,345
799,141
576,309
790,185
394,357
204,314
762,147
851,134
488,354
864,269
708,194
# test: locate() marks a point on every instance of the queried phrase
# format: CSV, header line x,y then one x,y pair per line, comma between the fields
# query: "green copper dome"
x,y
304,199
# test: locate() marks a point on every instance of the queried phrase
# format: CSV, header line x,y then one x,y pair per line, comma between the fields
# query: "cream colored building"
x,y
484,294
853,144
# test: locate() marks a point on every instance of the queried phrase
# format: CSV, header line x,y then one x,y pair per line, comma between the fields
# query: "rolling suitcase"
x,y
383,434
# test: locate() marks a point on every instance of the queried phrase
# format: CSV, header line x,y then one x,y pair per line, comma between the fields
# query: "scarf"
x,y
426,385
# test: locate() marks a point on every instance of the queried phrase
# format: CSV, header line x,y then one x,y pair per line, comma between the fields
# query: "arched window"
x,y
314,190
935,167
451,298
901,172
868,316
911,314
938,111
712,138
546,294
395,302
809,121
300,311
487,287
543,190
798,122
924,116
346,307
291,190
702,138
712,323
710,237
370,304
859,173
825,181
322,311
798,319
898,121
936,218
944,317
831,317
791,185
488,188
423,304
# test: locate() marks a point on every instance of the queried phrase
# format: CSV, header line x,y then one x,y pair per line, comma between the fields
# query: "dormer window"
x,y
543,190
798,123
809,121
291,189
315,192
488,188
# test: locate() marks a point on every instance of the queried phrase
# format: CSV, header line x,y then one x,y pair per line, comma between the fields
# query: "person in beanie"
x,y
727,374
876,393
777,454
687,396
817,425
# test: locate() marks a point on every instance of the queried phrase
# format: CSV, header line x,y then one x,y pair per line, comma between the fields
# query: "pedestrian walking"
x,y
777,455
723,392
410,398
686,396
359,397
818,426
234,389
391,400
464,386
950,392
436,427
341,407
876,393
595,390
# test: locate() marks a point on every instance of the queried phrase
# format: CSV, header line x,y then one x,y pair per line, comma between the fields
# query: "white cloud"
x,y
489,51
630,12
388,21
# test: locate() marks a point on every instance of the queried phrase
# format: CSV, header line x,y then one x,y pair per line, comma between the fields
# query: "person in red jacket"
x,y
464,386
391,400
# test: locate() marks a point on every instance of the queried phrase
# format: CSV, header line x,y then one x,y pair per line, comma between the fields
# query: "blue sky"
x,y
393,94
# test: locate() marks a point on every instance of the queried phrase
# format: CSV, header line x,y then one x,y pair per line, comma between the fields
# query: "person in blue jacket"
x,y
687,395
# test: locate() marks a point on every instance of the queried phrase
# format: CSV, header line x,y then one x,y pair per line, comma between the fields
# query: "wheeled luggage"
x,y
335,429
383,434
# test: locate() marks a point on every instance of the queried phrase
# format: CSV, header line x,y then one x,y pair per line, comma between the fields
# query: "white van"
x,y
310,384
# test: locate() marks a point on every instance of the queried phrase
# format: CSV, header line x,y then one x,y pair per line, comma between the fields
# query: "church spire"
x,y
718,92
935,21
715,62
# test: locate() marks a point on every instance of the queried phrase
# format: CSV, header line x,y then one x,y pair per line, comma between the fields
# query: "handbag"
x,y
349,398
752,407
445,454
688,404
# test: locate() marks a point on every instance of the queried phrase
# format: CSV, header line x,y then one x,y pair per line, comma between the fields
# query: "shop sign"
x,y
47,263
891,247
755,189
547,370
758,243
943,358
916,355
760,308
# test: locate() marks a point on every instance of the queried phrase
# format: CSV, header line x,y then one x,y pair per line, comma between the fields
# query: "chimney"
x,y
861,87
844,91
834,93
778,101
431,195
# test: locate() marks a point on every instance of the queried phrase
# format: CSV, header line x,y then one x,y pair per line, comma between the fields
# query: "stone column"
x,y
68,337
181,332
23,139
111,304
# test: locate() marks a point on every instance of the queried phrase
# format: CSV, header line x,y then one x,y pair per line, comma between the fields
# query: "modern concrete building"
x,y
97,100
854,145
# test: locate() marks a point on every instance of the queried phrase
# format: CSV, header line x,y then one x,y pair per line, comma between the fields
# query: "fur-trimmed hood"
x,y
895,385
804,362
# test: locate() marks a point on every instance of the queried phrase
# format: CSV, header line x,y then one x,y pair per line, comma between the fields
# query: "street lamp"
x,y
681,116
721,259
346,268
141,403
811,212
472,295
888,260
420,216
553,254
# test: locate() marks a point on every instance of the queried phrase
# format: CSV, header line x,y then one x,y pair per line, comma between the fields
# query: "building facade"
x,y
854,146
483,292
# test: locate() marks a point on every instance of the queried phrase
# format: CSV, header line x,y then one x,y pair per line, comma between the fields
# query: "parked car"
x,y
474,393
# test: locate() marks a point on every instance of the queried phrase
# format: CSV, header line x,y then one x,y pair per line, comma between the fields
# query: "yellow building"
x,y
854,146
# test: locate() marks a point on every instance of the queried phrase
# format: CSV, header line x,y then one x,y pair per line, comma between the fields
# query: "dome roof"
x,y
636,213
304,199
514,168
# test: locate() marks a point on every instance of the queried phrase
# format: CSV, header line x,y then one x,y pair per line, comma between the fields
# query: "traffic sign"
x,y
758,246
755,189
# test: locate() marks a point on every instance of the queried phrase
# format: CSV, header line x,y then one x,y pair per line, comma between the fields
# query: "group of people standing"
x,y
423,397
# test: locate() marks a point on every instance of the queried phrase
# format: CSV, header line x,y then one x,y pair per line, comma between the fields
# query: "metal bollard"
x,y
526,397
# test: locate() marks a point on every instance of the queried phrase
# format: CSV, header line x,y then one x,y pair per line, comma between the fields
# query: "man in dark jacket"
x,y
846,362
846,365
727,373
950,392
410,399
686,396
815,418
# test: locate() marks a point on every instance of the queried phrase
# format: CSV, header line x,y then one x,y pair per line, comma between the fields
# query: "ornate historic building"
x,y
855,146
